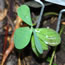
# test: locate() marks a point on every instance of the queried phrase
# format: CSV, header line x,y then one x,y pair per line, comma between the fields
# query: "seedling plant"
x,y
40,37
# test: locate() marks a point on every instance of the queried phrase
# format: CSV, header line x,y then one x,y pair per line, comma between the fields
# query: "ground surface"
x,y
27,56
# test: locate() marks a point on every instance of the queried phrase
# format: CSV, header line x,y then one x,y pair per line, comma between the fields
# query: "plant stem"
x,y
51,13
5,41
10,22
52,56
11,46
62,28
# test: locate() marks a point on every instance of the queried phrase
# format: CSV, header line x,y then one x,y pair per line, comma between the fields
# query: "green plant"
x,y
55,64
40,37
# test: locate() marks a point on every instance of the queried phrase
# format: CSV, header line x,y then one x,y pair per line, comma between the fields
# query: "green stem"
x,y
50,13
52,57
63,26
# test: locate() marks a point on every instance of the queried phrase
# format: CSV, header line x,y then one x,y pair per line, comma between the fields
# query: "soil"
x,y
27,55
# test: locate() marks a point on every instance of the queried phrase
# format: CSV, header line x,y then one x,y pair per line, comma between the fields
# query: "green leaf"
x,y
37,43
24,13
22,37
34,47
48,36
48,59
44,46
55,64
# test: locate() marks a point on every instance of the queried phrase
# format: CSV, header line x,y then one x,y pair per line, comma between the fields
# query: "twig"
x,y
11,46
19,60
5,40
10,21
55,58
3,14
1,54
